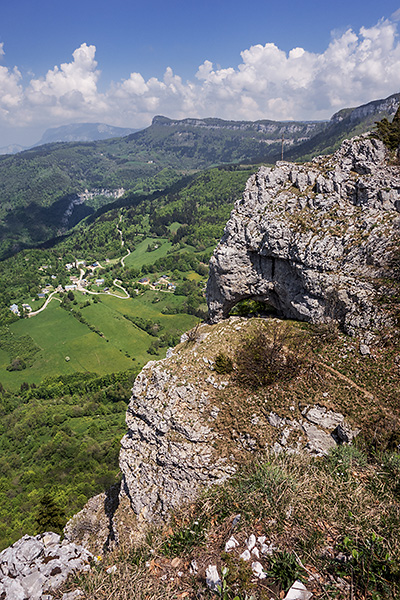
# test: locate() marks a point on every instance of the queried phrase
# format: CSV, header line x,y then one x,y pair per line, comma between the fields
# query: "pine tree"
x,y
389,133
50,516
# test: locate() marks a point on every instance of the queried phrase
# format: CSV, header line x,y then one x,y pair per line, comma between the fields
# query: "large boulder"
x,y
190,427
35,565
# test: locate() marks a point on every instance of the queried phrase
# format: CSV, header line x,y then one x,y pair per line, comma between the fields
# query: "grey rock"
x,y
319,442
39,564
33,585
167,453
11,589
343,434
319,415
92,526
310,239
275,420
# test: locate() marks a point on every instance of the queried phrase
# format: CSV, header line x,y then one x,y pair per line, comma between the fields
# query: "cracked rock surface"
x,y
310,239
167,453
186,433
39,564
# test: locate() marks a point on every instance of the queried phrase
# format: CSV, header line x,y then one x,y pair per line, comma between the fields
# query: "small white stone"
x,y
193,567
245,555
251,542
267,549
112,569
231,544
237,517
85,568
258,570
256,552
261,539
213,579
298,591
72,595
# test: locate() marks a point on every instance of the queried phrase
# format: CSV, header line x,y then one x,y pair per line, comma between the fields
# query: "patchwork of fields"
x,y
67,346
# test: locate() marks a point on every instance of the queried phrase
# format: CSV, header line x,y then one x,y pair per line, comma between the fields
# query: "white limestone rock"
x,y
39,564
213,579
309,239
167,453
298,591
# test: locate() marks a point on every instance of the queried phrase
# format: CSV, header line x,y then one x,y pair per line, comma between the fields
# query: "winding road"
x,y
36,312
81,288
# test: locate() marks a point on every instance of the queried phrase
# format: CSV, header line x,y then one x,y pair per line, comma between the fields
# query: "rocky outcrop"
x,y
310,239
92,526
168,450
190,427
35,566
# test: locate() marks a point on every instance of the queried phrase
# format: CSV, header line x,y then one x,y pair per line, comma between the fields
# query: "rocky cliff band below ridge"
x,y
311,239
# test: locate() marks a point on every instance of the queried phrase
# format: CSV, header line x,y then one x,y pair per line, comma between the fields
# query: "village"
x,y
87,282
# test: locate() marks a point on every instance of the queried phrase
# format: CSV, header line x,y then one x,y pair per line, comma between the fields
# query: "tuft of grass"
x,y
185,538
223,363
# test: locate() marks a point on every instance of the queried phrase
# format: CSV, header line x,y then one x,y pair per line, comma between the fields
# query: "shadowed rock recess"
x,y
310,239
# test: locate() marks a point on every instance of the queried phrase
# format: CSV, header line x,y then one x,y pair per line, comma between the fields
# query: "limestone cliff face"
x,y
190,427
310,239
168,451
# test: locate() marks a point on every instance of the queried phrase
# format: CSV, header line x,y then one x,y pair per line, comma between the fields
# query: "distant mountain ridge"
x,y
346,123
73,132
36,185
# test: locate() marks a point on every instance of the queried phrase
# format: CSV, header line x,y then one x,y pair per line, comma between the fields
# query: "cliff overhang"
x,y
312,239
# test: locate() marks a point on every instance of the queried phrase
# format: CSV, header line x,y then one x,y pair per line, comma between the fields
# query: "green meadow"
x,y
66,346
141,256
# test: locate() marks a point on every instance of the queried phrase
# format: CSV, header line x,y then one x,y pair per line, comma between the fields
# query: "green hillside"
x,y
39,187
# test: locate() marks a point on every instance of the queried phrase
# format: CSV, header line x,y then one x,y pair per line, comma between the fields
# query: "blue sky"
x,y
122,62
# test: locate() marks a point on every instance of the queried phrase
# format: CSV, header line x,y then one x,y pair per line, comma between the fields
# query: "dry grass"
x,y
307,507
129,582
315,509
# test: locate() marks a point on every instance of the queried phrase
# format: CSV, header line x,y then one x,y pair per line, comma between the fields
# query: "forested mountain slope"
x,y
45,191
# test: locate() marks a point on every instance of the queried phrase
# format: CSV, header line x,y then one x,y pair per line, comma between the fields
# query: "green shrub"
x,y
389,133
285,569
223,364
269,354
50,516
183,539
370,566
18,364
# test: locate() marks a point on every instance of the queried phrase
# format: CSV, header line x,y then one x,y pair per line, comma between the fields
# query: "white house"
x,y
14,309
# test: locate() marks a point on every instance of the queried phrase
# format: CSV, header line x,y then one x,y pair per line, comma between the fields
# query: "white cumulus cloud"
x,y
268,83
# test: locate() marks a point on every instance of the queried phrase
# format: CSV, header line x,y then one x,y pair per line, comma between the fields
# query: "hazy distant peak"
x,y
83,132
